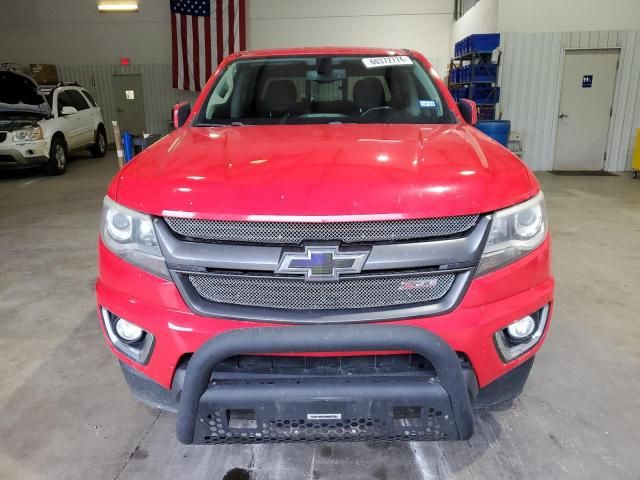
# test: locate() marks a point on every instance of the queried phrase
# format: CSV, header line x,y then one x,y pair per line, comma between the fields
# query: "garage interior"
x,y
66,412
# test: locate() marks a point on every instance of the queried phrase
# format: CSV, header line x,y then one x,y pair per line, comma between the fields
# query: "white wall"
x,y
72,32
481,18
534,36
87,45
531,80
567,15
530,16
423,25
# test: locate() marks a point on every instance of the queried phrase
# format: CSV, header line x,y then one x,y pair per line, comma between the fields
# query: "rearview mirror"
x,y
181,112
469,111
68,110
332,76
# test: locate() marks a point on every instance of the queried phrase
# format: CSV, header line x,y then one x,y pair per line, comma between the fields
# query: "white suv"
x,y
41,130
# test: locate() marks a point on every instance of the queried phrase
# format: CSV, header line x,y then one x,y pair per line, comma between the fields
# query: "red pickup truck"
x,y
324,249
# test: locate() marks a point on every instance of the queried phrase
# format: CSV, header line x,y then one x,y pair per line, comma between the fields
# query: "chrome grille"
x,y
296,232
363,291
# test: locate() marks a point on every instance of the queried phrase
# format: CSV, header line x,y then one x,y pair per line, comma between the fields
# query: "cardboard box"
x,y
44,73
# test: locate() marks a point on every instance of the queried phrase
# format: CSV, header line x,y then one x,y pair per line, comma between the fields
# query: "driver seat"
x,y
368,93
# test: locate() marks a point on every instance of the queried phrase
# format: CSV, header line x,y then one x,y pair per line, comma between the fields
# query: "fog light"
x,y
128,338
127,331
522,329
521,336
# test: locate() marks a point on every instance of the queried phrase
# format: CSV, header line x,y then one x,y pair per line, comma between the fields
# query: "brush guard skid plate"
x,y
368,407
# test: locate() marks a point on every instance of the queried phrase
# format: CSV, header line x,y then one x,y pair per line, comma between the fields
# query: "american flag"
x,y
203,32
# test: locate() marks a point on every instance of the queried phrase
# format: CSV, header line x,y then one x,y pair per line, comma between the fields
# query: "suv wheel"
x,y
57,163
99,149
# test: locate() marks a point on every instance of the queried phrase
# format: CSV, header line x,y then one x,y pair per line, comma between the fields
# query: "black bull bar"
x,y
203,402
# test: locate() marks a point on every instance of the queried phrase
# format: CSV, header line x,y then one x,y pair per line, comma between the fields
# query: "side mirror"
x,y
469,111
68,110
181,112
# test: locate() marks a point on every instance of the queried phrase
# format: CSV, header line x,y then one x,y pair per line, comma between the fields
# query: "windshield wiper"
x,y
232,124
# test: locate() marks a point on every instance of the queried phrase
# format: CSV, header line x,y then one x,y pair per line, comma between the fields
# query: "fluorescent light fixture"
x,y
113,7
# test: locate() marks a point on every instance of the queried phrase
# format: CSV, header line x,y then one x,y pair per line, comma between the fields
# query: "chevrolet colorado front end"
x,y
325,249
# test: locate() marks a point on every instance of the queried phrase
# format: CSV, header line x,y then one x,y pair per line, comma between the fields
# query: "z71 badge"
x,y
417,284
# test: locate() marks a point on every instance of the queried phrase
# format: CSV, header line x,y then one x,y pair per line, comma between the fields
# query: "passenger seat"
x,y
279,99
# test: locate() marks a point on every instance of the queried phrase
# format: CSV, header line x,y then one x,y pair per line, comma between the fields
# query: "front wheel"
x,y
57,163
99,149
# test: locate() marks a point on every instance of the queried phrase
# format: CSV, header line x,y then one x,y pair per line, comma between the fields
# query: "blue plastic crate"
x,y
466,73
459,93
464,49
482,42
486,95
480,72
460,48
455,75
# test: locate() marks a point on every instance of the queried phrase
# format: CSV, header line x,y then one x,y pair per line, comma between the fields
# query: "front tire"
x,y
99,149
58,154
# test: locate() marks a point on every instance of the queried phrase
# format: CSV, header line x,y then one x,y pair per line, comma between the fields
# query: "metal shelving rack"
x,y
473,75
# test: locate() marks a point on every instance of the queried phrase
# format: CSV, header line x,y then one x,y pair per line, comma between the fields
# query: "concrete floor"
x,y
65,411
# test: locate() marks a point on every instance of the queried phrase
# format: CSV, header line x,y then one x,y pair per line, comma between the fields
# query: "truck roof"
x,y
324,51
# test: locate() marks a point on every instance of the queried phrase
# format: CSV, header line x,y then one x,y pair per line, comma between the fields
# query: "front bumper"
x,y
491,303
23,155
286,407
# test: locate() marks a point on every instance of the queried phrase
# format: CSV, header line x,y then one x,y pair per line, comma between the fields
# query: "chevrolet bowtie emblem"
x,y
319,263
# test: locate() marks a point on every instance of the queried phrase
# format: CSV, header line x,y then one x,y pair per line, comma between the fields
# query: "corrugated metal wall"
x,y
159,97
531,79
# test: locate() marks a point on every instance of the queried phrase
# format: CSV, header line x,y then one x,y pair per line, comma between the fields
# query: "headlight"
x,y
28,134
515,231
130,235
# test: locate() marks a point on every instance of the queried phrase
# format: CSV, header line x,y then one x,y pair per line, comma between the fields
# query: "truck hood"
x,y
21,97
323,173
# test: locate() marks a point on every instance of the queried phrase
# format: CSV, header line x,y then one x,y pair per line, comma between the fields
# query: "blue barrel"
x,y
497,129
127,146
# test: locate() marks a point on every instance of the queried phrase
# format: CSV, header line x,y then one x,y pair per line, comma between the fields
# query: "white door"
x,y
85,118
585,109
71,125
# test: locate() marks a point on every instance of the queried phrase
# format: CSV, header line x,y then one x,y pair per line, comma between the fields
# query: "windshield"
x,y
324,89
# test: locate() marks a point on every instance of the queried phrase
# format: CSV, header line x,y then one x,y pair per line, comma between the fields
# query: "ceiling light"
x,y
111,7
